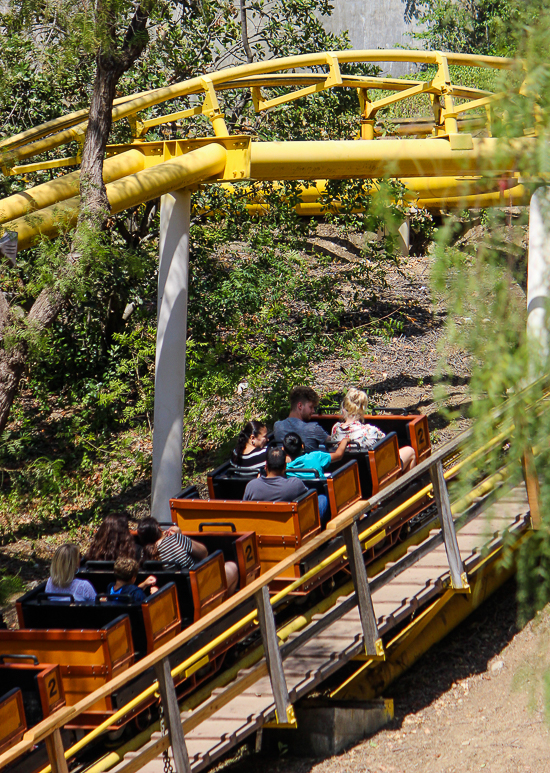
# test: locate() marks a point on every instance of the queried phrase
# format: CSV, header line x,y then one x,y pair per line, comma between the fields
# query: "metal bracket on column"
x,y
459,579
374,647
284,712
172,716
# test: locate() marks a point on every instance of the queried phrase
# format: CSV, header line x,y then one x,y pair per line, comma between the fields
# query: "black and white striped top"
x,y
176,549
254,460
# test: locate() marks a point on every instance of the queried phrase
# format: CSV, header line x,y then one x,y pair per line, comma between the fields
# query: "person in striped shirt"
x,y
250,450
173,547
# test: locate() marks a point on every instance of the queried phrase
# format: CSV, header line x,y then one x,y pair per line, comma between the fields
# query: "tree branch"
x,y
244,32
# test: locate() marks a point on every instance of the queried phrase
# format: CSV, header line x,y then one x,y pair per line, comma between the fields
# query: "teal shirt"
x,y
315,460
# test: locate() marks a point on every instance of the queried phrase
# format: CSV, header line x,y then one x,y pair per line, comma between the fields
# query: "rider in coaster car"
x,y
301,465
173,547
275,487
62,578
126,572
355,429
303,403
113,540
250,450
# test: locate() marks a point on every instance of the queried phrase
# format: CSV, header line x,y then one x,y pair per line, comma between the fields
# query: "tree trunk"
x,y
94,208
244,32
14,358
94,201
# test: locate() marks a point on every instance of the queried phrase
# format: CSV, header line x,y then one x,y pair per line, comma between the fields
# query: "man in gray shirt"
x,y
274,487
303,403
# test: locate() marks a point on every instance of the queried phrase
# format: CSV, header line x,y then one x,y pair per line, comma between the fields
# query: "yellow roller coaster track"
x,y
451,167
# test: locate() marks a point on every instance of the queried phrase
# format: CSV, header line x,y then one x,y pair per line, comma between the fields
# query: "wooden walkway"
x,y
319,650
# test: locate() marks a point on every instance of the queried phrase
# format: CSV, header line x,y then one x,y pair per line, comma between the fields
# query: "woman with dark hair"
x,y
250,450
173,547
113,540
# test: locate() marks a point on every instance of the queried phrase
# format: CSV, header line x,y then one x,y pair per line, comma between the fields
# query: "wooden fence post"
x,y
283,706
56,752
441,494
172,716
373,643
532,485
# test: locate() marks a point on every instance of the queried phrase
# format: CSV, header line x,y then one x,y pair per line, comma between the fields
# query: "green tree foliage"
x,y
486,307
465,26
258,312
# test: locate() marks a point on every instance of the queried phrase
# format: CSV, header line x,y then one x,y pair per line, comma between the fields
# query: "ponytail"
x,y
251,428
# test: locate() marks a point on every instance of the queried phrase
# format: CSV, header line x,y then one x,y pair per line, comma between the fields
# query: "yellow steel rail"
x,y
449,152
241,76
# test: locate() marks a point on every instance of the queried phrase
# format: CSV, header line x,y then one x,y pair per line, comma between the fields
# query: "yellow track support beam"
x,y
128,192
380,158
515,196
66,187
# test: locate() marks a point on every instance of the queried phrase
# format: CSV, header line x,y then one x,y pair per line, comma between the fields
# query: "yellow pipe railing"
x,y
130,106
134,189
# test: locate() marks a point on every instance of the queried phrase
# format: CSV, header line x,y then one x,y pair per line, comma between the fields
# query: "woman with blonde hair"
x,y
354,407
64,566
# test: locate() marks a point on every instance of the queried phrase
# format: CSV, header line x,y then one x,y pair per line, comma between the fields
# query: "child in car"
x,y
126,572
302,465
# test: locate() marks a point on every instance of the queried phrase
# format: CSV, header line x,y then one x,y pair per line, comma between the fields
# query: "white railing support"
x,y
173,285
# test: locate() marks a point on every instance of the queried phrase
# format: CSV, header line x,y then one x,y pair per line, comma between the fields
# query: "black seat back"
x,y
40,611
164,574
229,482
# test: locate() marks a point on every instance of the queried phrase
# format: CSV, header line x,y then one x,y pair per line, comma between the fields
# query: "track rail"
x,y
451,151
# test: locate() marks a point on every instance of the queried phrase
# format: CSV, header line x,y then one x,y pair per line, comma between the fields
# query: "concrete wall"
x,y
374,24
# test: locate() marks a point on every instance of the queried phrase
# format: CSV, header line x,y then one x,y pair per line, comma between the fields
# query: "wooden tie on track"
x,y
330,641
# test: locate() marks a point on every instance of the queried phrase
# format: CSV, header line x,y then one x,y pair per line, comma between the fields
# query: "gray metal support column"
x,y
373,644
175,216
538,278
172,716
285,712
443,502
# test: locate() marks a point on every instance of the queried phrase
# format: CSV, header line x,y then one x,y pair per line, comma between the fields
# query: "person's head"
x,y
112,540
149,533
275,461
253,433
293,445
126,570
65,563
355,404
303,402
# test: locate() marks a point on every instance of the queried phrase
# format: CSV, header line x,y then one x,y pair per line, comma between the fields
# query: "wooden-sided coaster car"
x,y
281,527
411,429
240,547
380,466
87,659
341,486
153,623
40,683
194,586
12,719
